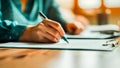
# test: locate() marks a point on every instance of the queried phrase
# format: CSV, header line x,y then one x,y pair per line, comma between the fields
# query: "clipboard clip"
x,y
112,42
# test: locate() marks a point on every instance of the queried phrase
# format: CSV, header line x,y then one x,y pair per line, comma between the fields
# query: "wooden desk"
x,y
27,58
88,59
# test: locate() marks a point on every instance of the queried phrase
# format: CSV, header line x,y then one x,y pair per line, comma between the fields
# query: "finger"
x,y
75,28
51,31
47,37
80,26
72,29
54,33
69,28
78,31
50,38
45,40
54,25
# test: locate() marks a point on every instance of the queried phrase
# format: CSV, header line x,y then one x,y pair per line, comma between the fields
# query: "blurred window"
x,y
89,3
112,3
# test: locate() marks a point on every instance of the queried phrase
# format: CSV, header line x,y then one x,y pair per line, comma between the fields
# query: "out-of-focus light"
x,y
112,3
87,4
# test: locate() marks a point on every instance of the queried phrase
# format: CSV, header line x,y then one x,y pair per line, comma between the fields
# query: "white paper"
x,y
74,44
87,33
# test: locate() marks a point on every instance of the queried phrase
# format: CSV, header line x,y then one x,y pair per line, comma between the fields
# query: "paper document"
x,y
75,44
89,33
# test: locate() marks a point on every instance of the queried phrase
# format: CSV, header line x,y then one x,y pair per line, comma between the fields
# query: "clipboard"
x,y
97,32
75,44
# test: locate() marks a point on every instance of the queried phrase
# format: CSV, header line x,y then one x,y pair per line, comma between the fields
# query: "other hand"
x,y
74,27
77,26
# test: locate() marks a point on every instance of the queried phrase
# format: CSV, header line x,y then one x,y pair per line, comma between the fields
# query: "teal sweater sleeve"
x,y
52,10
9,30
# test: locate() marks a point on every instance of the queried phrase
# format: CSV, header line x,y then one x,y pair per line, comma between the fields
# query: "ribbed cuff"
x,y
16,32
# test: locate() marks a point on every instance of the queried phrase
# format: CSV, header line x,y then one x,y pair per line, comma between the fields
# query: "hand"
x,y
74,27
46,31
77,26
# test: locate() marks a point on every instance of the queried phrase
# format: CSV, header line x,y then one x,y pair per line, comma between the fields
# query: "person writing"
x,y
20,21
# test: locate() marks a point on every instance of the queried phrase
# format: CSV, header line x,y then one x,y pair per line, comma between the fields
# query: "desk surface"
x,y
65,59
88,59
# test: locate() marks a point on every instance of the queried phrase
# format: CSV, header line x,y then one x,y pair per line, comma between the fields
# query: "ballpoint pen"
x,y
44,17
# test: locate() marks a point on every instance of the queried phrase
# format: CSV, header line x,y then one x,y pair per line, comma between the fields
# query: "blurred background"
x,y
97,11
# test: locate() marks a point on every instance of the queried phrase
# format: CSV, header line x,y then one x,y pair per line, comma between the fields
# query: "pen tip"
x,y
67,42
65,39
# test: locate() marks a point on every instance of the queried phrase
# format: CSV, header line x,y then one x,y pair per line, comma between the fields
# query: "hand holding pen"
x,y
46,31
58,28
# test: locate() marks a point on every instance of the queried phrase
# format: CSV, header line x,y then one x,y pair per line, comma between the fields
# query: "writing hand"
x,y
46,32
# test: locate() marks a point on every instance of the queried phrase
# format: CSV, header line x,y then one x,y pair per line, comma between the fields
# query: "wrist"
x,y
26,34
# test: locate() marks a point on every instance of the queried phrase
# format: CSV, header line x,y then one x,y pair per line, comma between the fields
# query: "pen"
x,y
44,17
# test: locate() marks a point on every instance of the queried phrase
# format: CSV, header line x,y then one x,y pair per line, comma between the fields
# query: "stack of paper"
x,y
74,44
